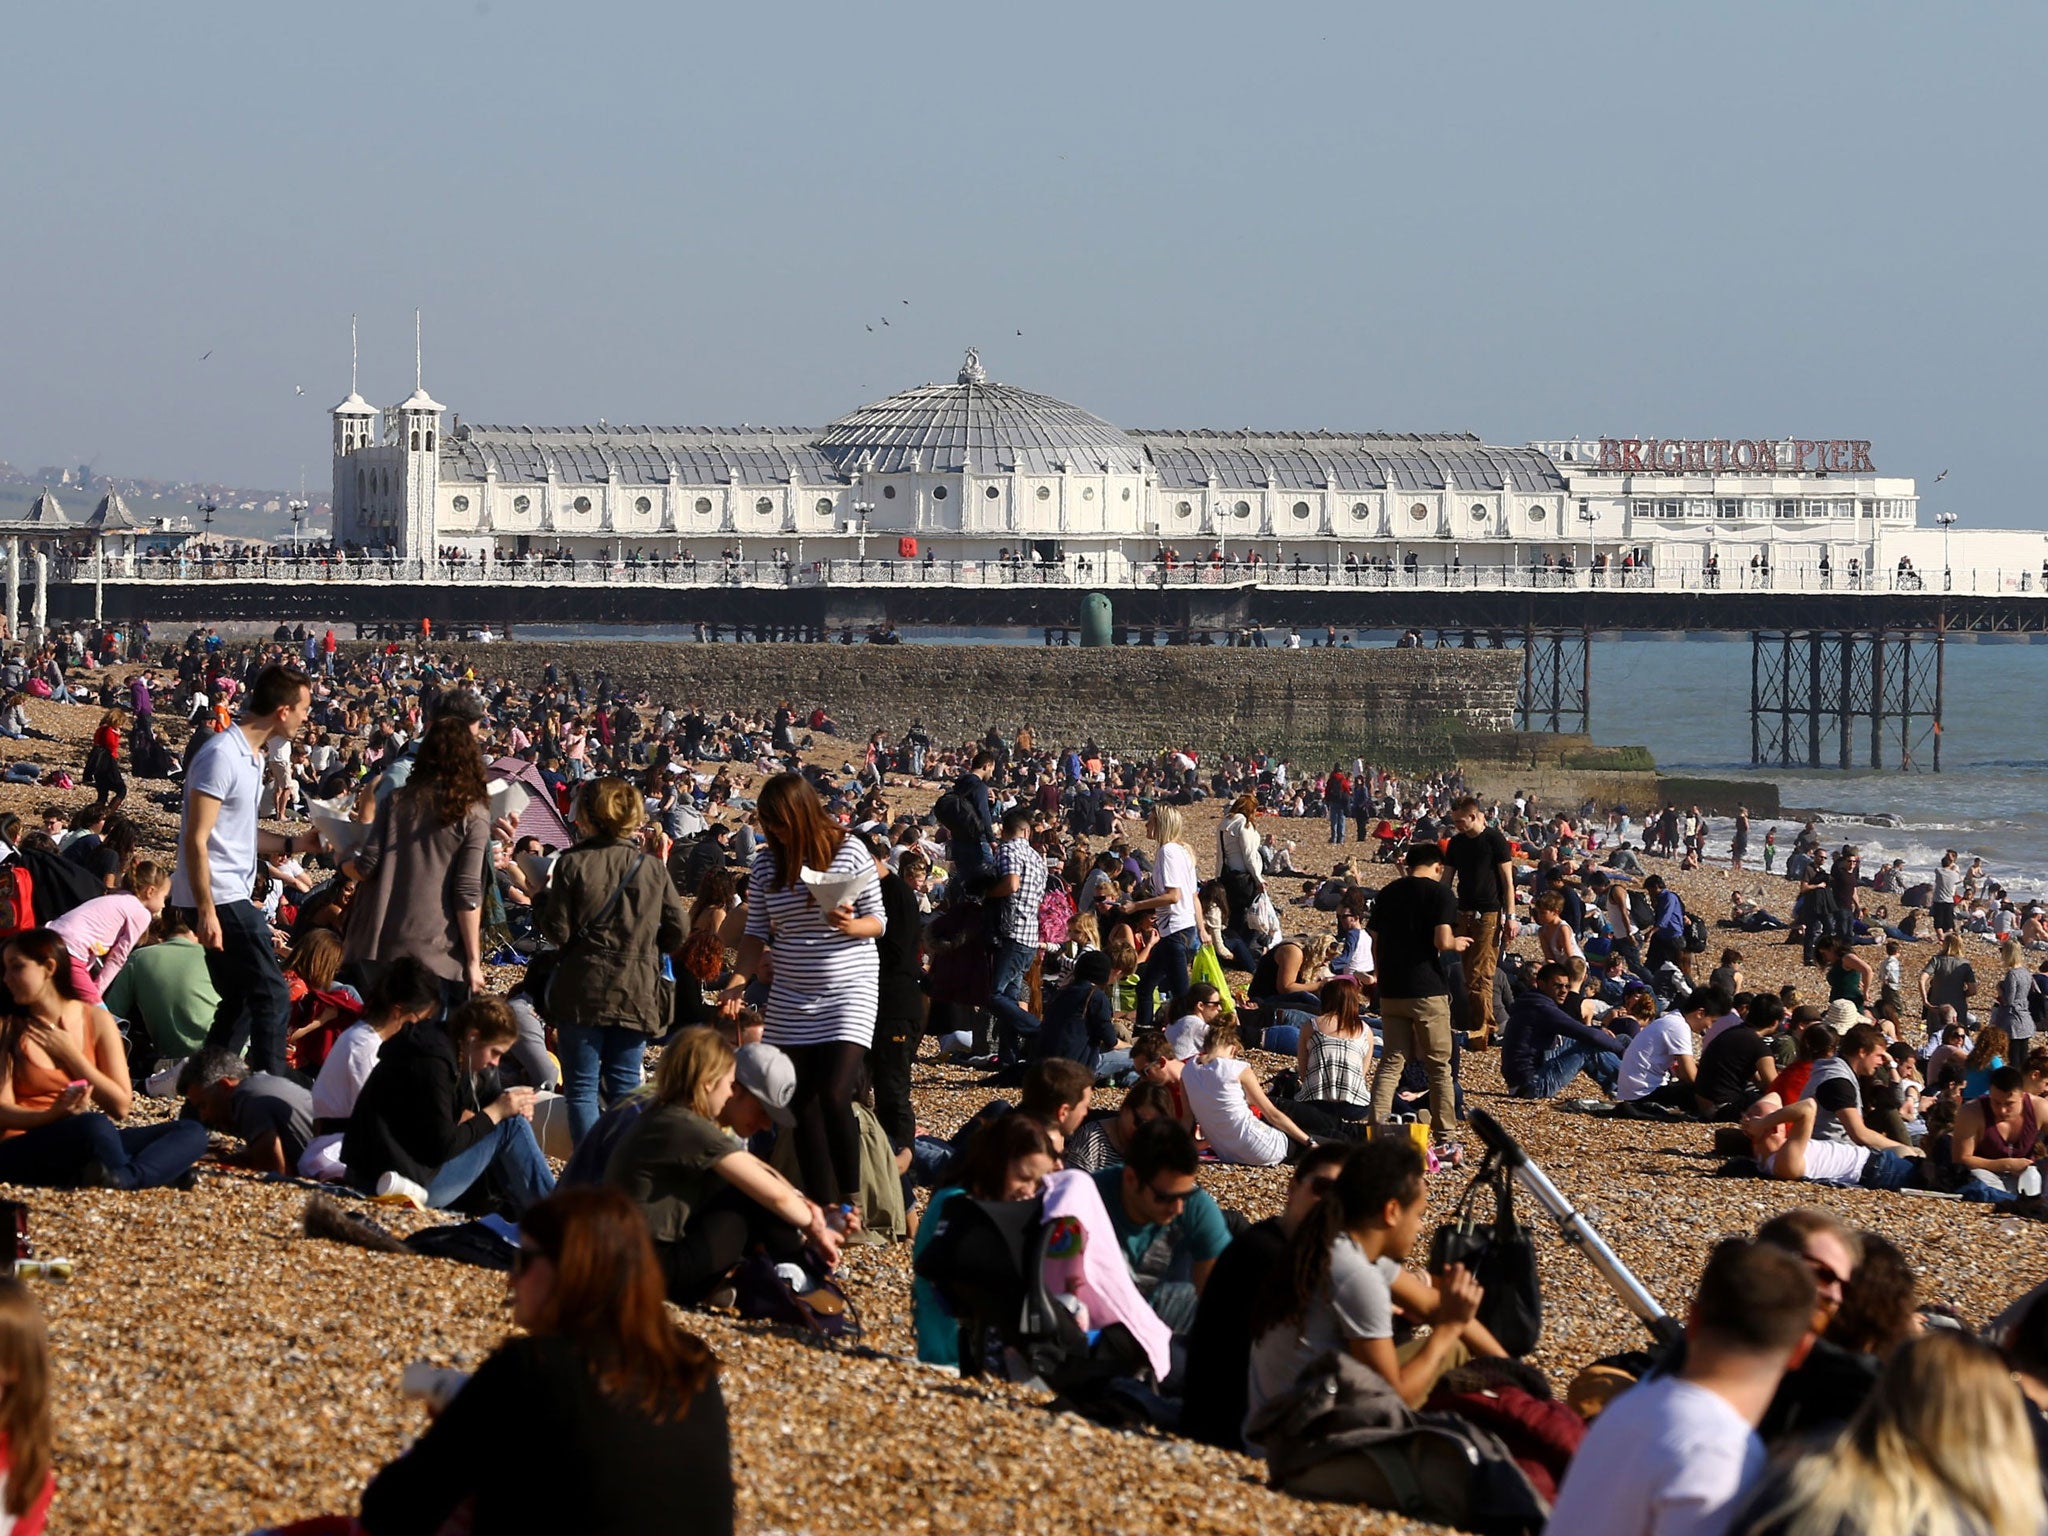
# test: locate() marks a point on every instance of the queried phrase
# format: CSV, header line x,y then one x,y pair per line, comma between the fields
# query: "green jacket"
x,y
610,969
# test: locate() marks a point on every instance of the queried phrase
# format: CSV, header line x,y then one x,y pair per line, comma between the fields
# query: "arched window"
x,y
415,439
430,440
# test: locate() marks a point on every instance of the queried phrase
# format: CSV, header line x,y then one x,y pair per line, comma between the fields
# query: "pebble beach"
x,y
217,1371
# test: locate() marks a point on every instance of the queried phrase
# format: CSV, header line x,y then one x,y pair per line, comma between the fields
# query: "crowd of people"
x,y
492,899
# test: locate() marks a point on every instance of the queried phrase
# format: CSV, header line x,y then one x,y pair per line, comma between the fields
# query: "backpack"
x,y
1695,934
17,900
1055,912
2037,1002
955,812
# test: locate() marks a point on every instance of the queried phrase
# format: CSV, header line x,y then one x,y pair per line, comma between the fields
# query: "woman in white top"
x,y
1223,1090
825,987
1173,897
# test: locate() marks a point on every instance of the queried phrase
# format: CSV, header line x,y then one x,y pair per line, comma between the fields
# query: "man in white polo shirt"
x,y
219,844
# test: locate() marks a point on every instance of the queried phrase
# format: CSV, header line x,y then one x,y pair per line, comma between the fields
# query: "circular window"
x,y
1127,493
1045,493
521,503
642,504
938,493
1243,509
1419,512
994,493
888,493
1183,509
1478,512
703,504
460,503
1087,493
582,503
1301,509
765,506
1360,510
824,506
1535,514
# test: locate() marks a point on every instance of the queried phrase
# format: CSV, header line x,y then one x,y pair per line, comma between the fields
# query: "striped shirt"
x,y
825,986
1016,856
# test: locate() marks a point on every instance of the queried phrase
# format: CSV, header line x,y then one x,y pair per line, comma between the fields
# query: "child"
x,y
27,1481
1770,851
1891,978
1560,944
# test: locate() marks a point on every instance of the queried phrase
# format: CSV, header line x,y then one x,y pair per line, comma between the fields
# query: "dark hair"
x,y
1161,1146
1818,1041
406,986
609,1299
1876,1314
1338,999
1755,1297
487,1017
1016,820
1764,1011
1051,1085
1146,1095
1419,854
276,686
447,772
1373,1176
998,1144
2008,1079
2026,1347
1859,1039
1151,1044
1321,1157
45,947
1552,970
1706,999
796,828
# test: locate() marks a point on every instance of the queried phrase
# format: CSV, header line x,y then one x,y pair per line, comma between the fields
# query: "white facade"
x,y
969,470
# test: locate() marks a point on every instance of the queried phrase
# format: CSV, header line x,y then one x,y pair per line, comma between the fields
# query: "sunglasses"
x,y
1825,1275
1169,1197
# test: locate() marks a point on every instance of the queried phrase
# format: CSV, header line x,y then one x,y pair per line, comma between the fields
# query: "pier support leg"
x,y
42,602
14,589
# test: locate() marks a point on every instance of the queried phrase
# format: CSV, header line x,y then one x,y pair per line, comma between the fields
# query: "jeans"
x,y
256,1003
1237,948
1111,1066
133,1157
1283,1035
1166,968
594,1056
1336,823
1567,1059
1012,976
511,1149
1419,1027
1886,1169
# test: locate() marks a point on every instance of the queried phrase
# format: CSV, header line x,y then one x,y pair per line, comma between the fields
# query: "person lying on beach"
x,y
1780,1137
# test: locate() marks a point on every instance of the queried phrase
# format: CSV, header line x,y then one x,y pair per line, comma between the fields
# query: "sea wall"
x,y
1400,707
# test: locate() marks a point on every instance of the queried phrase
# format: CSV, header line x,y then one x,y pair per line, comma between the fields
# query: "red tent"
x,y
540,818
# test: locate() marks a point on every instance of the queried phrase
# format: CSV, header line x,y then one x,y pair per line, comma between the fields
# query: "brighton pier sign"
x,y
1742,455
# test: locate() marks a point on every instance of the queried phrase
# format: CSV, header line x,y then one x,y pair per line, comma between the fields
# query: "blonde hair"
x,y
690,1064
1085,931
1952,943
2010,955
145,875
1941,1447
1166,823
613,807
1315,954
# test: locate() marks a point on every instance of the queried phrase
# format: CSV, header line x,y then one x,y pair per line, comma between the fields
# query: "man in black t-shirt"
x,y
1412,924
1738,1065
1484,865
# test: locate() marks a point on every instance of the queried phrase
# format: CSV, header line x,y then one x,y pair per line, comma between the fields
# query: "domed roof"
x,y
980,428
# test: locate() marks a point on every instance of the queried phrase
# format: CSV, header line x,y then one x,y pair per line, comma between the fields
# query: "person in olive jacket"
x,y
422,1116
614,912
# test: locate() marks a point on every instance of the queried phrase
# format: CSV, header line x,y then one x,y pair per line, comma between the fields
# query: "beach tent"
x,y
540,818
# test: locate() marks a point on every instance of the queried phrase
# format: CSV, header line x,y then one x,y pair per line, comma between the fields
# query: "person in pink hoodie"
x,y
101,933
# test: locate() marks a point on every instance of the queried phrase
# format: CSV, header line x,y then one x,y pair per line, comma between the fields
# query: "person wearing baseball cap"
x,y
763,1084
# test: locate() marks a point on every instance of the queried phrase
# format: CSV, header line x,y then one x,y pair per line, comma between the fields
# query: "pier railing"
x,y
1109,573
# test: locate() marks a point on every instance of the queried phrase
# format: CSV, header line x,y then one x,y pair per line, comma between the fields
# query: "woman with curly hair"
x,y
421,873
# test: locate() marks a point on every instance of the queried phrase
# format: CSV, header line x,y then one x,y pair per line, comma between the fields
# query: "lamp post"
x,y
298,511
1947,521
1586,517
863,510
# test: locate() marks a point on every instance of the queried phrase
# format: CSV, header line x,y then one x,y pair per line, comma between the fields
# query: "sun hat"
x,y
1842,1016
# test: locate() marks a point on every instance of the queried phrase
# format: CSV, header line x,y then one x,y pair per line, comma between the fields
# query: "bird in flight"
x,y
298,389
1941,477
871,330
885,319
206,354
906,301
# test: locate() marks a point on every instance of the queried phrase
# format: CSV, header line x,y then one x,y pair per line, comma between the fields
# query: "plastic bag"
x,y
1208,968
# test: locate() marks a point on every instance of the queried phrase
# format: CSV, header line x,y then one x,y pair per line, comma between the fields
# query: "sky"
x,y
1733,220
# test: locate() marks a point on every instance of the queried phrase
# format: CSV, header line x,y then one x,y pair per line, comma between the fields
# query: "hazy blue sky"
x,y
1815,220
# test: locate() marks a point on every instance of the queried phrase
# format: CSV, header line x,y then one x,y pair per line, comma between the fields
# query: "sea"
x,y
1687,700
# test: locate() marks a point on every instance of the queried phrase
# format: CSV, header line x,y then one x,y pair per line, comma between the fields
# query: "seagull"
x,y
906,301
885,319
1941,477
1020,333
298,389
206,354
871,330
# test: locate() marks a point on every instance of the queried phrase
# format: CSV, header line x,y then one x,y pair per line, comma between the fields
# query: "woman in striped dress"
x,y
824,984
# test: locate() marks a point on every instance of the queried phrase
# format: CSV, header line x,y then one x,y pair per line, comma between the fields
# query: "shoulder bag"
x,y
1500,1254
